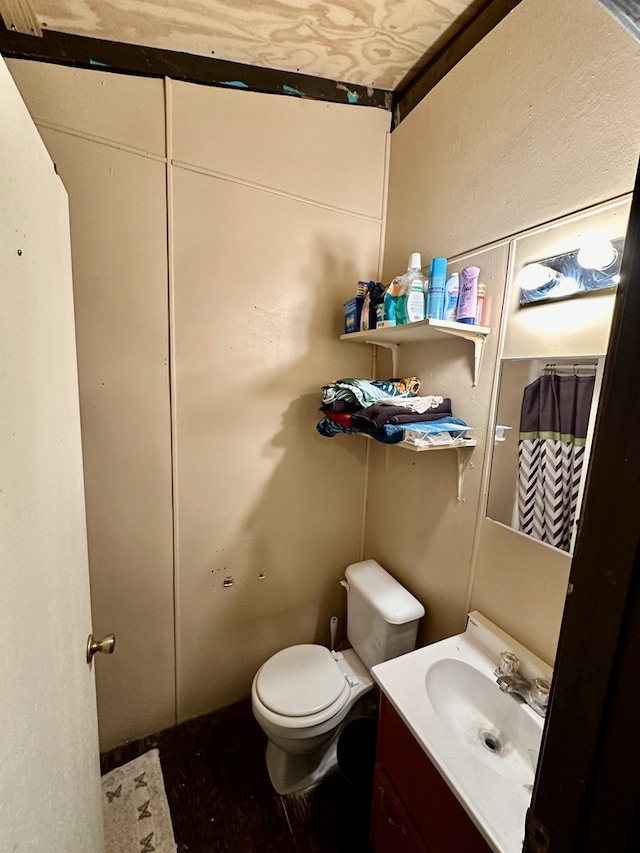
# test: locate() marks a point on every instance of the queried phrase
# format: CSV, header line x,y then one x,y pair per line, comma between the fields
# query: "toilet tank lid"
x,y
390,599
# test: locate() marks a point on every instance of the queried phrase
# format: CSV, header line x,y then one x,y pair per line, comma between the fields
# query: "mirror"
x,y
545,418
550,374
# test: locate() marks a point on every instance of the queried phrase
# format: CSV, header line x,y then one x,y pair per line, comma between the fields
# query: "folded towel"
x,y
329,428
341,406
376,416
365,392
418,404
345,419
393,433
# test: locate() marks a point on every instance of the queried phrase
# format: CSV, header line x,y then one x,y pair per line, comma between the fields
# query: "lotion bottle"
x,y
451,292
468,297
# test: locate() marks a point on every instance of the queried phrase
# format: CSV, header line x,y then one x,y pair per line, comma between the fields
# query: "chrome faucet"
x,y
535,693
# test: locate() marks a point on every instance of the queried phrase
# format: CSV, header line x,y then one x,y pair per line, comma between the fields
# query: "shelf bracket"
x,y
394,354
478,351
477,340
463,460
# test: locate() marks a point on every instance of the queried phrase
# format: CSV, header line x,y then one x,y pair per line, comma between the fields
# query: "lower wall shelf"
x,y
461,448
456,445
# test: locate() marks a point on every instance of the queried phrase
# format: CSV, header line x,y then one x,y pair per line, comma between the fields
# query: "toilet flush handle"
x,y
346,585
106,646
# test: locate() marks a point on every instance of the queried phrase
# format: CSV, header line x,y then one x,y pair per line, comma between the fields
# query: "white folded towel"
x,y
414,404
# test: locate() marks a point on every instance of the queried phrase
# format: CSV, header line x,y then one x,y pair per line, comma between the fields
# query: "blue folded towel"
x,y
394,433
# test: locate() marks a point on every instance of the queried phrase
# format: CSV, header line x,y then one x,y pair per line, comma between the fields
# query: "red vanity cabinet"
x,y
413,808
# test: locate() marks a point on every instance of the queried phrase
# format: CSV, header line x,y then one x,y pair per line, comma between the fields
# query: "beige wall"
x,y
209,298
415,525
540,119
274,221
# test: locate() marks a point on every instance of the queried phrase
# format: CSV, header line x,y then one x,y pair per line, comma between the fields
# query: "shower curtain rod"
x,y
553,367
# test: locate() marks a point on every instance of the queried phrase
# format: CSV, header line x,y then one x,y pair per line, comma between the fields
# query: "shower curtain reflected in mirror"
x,y
551,454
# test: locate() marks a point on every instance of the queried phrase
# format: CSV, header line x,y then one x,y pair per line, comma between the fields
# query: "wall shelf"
x,y
424,331
459,446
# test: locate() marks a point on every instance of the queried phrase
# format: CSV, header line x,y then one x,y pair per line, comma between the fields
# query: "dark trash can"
x,y
357,751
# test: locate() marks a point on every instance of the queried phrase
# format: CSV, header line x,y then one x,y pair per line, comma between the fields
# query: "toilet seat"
x,y
302,682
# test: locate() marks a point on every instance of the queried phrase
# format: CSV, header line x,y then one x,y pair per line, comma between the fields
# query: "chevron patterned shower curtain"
x,y
553,430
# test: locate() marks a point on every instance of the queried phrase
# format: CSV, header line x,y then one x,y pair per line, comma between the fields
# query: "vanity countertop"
x,y
483,742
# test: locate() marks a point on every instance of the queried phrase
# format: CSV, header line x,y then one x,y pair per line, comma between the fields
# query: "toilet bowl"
x,y
301,697
305,694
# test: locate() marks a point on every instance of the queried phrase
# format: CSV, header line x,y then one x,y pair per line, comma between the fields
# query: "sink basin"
x,y
498,729
483,742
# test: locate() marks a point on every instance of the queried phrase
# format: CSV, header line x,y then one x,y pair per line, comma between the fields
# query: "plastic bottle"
x,y
376,303
400,289
366,309
391,297
480,307
468,297
415,301
451,291
435,293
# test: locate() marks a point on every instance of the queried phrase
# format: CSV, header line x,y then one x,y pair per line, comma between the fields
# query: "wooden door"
x,y
49,772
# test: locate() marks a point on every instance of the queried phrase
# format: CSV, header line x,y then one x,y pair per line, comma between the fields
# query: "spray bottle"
x,y
435,294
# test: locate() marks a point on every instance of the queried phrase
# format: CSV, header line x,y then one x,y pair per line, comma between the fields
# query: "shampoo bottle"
x,y
468,297
451,290
435,293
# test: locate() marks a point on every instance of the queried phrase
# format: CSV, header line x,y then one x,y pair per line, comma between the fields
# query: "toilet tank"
x,y
382,616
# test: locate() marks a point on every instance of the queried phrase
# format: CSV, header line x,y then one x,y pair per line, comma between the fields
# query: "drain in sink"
x,y
490,742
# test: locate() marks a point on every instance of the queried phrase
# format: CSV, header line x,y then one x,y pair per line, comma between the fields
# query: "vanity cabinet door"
x,y
392,830
436,813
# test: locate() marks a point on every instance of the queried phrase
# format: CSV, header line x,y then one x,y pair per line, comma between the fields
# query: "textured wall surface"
x,y
271,234
415,525
540,119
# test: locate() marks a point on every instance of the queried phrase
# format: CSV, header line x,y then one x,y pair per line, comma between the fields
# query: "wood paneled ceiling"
x,y
376,43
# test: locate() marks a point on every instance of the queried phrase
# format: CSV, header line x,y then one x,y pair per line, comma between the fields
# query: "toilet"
x,y
304,695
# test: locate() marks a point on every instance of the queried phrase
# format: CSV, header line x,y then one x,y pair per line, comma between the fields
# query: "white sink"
x,y
493,726
484,742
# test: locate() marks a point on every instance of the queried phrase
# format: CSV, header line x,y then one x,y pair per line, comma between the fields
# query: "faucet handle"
x,y
539,693
509,664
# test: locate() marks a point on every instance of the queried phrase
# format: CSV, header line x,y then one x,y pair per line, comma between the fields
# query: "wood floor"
x,y
221,800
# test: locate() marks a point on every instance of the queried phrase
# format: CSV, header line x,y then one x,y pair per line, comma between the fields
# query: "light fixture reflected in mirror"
x,y
593,266
598,253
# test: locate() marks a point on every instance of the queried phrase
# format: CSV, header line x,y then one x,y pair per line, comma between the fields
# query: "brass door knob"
x,y
105,646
